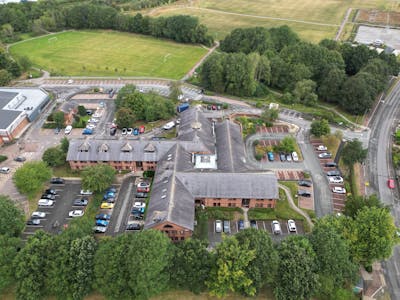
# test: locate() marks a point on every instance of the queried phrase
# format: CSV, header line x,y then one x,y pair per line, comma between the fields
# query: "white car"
x,y
93,120
76,213
295,156
139,205
68,129
143,185
325,155
169,125
276,227
322,148
38,215
45,202
4,170
339,190
291,226
335,179
91,126
87,192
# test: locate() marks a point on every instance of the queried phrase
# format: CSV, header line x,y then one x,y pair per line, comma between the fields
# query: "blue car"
x,y
103,217
241,224
87,131
103,223
136,131
111,190
108,195
270,156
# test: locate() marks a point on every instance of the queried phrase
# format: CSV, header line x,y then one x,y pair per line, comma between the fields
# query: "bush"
x,y
148,174
3,158
49,125
258,156
50,118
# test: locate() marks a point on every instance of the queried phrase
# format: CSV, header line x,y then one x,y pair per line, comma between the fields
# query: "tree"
x,y
331,85
262,269
5,77
29,178
287,145
9,247
25,63
12,219
334,264
64,145
297,276
81,110
54,157
228,274
270,115
353,152
371,235
124,117
304,92
98,177
58,118
191,265
123,93
175,90
355,203
320,128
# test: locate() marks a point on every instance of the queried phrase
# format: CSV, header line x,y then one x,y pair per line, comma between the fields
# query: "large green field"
x,y
313,20
109,53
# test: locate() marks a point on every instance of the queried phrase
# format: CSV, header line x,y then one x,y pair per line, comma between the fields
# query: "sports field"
x,y
108,53
311,19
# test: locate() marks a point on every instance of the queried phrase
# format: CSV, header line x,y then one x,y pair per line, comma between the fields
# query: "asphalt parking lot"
x,y
57,215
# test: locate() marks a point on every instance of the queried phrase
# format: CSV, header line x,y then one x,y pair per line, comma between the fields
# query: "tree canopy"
x,y
12,219
353,152
98,177
355,203
320,127
54,156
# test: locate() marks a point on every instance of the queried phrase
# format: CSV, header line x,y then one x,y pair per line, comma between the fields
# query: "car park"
x,y
295,156
124,131
103,217
103,223
276,227
227,226
38,215
5,170
86,192
325,155
339,190
289,157
141,195
307,183
291,226
282,156
106,205
331,165
240,224
304,194
48,196
57,180
51,191
335,179
133,226
33,221
321,148
390,183
129,131
99,229
80,202
218,226
76,213
45,202
20,159
270,156
333,173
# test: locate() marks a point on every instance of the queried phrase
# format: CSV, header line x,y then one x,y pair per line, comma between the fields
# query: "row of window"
x,y
138,163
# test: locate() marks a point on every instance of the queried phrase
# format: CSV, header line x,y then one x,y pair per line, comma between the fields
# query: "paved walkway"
x,y
246,217
343,24
294,207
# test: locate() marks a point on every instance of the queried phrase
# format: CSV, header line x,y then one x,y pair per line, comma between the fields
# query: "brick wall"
x,y
118,165
174,232
226,202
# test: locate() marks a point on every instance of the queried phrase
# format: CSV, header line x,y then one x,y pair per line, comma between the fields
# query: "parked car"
x,y
135,131
253,224
38,215
390,183
322,148
142,129
169,125
109,200
99,229
137,215
87,131
124,131
295,156
270,156
57,130
305,183
103,217
80,202
133,226
335,179
89,112
108,195
143,184
240,224
325,155
218,226
51,191
143,190
103,223
20,159
86,192
129,131
137,210
33,222
304,194
227,226
107,205
113,131
5,170
76,213
333,173
68,129
48,196
282,156
45,202
111,190
291,226
339,190
57,180
276,227
139,205
141,195
289,157
331,165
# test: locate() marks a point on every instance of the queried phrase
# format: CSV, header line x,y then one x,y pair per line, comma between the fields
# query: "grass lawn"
x,y
109,53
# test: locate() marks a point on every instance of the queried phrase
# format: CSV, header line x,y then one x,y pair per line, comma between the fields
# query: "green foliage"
x,y
191,265
82,110
30,178
355,203
270,115
148,174
54,157
228,274
353,152
9,247
58,118
98,177
297,276
12,219
320,128
287,145
133,266
124,117
25,63
3,158
64,145
262,269
396,157
5,77
222,213
175,90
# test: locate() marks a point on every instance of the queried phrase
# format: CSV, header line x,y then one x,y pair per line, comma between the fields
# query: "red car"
x,y
141,129
143,189
390,183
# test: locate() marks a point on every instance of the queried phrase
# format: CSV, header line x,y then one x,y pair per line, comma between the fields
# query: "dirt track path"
x,y
343,24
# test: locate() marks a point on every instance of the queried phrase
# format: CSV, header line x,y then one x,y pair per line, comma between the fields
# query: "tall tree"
x,y
320,127
331,85
355,203
12,219
58,118
64,145
98,177
353,152
9,247
229,272
124,117
54,157
297,276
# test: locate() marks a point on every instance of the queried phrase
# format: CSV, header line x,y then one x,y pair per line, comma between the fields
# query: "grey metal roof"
x,y
6,97
230,147
7,117
259,185
68,106
117,150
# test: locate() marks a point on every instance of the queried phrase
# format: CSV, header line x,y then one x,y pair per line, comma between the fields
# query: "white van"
x,y
68,129
169,125
4,170
295,156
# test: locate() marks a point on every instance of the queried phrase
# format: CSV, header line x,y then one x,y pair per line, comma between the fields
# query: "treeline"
x,y
255,59
70,265
51,16
141,4
9,69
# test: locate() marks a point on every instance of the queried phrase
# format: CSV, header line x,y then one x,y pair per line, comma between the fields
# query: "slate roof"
x,y
7,116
